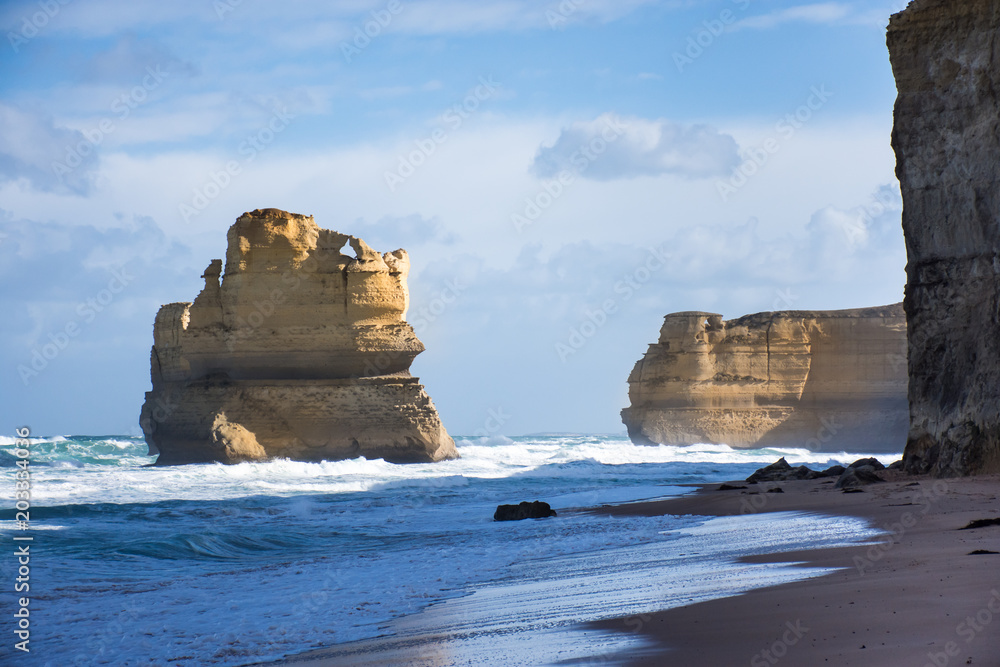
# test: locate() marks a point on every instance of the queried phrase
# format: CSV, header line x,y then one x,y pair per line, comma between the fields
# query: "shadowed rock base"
x,y
946,59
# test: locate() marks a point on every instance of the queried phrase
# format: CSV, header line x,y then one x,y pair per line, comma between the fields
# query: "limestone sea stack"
x,y
946,59
823,380
302,351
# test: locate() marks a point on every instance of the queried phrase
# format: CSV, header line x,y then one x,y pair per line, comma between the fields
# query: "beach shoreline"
x,y
915,596
912,596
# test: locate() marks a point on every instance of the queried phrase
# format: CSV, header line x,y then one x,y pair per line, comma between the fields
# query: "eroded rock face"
x,y
946,59
824,380
301,351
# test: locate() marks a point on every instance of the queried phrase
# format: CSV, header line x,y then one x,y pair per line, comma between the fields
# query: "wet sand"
x,y
913,597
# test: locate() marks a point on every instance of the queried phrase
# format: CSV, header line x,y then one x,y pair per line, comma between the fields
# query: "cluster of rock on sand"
x,y
860,473
303,351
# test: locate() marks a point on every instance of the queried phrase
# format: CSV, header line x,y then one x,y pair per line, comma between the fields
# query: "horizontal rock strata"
x,y
300,351
823,380
946,59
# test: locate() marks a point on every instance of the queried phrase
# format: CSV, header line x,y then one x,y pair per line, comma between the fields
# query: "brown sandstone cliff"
x,y
823,380
946,59
300,351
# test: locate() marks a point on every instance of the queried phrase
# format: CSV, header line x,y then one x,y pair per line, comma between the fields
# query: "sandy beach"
x,y
915,596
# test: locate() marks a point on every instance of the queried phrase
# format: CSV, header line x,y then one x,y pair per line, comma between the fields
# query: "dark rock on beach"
x,y
870,463
524,510
859,473
781,471
854,477
981,523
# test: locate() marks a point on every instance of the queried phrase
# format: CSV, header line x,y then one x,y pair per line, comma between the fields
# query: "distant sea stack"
x,y
946,59
823,380
301,351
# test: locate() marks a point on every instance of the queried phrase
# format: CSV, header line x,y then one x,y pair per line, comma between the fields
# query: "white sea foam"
x,y
9,440
112,470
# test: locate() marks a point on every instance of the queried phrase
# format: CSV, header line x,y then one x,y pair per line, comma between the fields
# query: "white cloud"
x,y
435,17
128,59
611,147
30,144
318,22
389,92
826,12
390,232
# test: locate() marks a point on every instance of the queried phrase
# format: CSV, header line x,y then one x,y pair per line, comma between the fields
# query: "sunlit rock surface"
x,y
823,380
301,351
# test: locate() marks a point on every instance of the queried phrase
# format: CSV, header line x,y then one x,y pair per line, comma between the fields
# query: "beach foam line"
x,y
534,616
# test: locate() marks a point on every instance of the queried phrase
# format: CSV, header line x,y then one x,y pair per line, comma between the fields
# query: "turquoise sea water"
x,y
228,565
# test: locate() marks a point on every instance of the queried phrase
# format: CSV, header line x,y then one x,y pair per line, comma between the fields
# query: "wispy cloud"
x,y
31,144
388,92
310,19
610,147
825,12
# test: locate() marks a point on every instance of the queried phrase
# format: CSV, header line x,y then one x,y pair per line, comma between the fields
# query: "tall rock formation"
x,y
301,351
946,59
823,380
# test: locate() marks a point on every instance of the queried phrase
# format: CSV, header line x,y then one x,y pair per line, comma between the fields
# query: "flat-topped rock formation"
x,y
946,59
301,351
823,380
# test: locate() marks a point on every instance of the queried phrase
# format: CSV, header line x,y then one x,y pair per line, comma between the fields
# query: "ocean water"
x,y
231,565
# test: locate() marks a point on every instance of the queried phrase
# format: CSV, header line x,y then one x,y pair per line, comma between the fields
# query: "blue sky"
x,y
563,174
